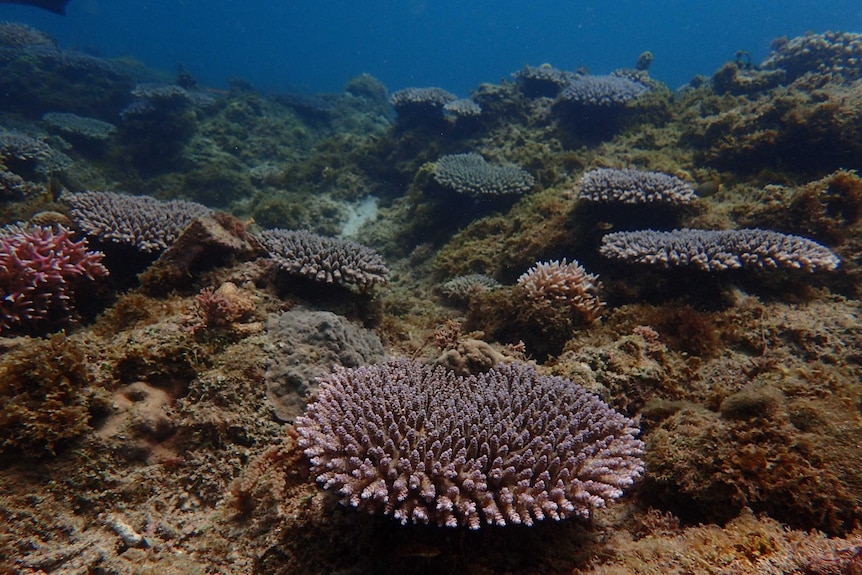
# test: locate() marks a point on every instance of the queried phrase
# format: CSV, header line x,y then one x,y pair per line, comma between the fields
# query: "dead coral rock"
x,y
139,412
210,241
736,80
707,467
46,397
826,210
308,344
793,129
632,369
753,401
469,357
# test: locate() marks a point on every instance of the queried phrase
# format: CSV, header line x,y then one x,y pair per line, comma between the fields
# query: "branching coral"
x,y
716,250
562,283
148,224
505,447
324,259
38,269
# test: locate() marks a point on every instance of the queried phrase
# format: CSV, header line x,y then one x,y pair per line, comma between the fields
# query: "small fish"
x,y
707,188
55,6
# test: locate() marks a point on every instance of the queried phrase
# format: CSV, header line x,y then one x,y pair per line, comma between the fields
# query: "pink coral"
x,y
566,283
37,265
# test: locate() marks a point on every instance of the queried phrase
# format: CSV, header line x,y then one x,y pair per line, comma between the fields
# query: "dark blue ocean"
x,y
316,46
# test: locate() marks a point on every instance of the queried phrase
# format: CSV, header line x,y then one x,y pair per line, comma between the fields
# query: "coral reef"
x,y
711,250
459,289
143,222
323,259
800,129
830,54
505,447
634,187
17,35
155,436
471,175
562,283
40,270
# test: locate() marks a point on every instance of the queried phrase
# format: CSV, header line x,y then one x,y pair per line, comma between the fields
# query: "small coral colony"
x,y
487,314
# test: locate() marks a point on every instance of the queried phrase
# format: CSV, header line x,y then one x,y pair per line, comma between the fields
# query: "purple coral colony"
x,y
570,323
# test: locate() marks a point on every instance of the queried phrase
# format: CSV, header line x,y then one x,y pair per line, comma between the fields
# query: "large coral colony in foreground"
x,y
508,446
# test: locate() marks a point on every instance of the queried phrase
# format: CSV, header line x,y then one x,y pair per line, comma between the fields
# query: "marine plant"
x,y
46,396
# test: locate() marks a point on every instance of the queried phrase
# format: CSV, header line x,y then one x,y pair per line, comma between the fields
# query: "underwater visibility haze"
x,y
430,287
317,46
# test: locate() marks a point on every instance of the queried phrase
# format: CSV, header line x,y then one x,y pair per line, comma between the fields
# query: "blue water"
x,y
282,45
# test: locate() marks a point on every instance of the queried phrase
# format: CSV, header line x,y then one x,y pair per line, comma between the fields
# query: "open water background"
x,y
287,45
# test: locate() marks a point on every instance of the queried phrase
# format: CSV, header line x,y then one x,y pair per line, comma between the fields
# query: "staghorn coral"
x,y
633,187
143,222
323,259
38,269
559,282
716,250
505,447
470,174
